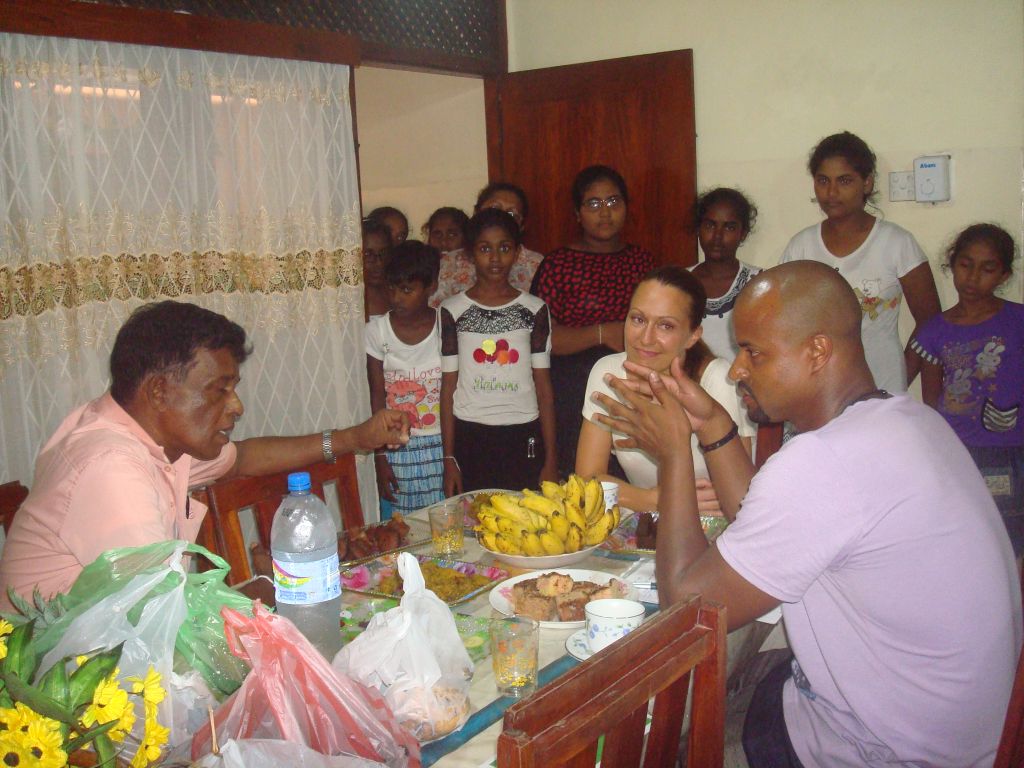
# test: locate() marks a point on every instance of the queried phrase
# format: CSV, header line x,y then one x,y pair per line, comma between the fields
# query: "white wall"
x,y
911,77
422,141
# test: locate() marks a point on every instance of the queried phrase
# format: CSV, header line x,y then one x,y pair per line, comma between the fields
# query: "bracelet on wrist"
x,y
733,431
600,334
452,458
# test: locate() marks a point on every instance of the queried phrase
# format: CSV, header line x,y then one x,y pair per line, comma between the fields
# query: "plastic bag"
x,y
414,654
200,636
145,612
292,693
271,753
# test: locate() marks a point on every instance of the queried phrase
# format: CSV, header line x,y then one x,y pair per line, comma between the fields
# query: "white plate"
x,y
542,561
501,596
577,646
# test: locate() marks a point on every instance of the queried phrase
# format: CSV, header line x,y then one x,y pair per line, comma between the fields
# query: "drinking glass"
x,y
514,643
446,532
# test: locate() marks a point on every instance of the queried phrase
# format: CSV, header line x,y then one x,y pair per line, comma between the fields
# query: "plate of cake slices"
x,y
556,598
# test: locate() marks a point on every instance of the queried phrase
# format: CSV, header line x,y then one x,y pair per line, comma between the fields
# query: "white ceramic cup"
x,y
611,494
610,620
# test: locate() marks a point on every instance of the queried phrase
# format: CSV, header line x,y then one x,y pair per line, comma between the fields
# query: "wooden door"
x,y
635,114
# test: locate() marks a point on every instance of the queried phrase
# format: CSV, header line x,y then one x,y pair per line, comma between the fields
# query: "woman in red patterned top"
x,y
587,286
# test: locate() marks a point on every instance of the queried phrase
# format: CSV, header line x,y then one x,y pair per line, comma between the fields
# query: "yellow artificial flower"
x,y
124,726
21,717
80,660
152,741
46,744
150,688
109,702
37,747
14,751
5,629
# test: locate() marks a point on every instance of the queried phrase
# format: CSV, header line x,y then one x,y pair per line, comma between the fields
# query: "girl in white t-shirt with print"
x,y
881,261
497,405
403,365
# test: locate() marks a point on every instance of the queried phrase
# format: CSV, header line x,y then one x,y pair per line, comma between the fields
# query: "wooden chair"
x,y
12,495
609,693
221,531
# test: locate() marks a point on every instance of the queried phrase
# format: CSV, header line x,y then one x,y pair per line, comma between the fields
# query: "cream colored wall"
x,y
422,141
911,77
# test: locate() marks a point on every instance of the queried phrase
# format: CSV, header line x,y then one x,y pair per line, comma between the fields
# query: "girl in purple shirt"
x,y
973,367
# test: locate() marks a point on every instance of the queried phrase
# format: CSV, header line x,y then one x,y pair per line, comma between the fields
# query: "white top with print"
x,y
494,350
412,373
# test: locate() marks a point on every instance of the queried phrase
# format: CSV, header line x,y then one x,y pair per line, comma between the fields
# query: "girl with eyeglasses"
x,y
587,286
458,272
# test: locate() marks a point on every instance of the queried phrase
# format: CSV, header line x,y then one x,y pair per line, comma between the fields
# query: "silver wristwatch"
x,y
325,442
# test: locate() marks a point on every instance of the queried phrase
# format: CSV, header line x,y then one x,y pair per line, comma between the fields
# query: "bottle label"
x,y
307,583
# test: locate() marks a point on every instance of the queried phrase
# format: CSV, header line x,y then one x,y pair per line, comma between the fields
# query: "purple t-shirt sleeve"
x,y
927,341
788,533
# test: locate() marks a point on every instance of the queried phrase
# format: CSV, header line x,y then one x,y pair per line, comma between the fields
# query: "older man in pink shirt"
x,y
117,471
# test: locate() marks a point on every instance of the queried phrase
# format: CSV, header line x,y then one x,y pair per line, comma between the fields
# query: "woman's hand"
x,y
387,483
707,499
549,472
452,478
659,426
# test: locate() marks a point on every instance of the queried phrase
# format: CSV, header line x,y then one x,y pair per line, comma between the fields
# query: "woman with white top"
x,y
881,261
663,322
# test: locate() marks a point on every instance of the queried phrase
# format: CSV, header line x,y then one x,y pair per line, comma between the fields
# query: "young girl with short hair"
x,y
973,367
403,366
497,405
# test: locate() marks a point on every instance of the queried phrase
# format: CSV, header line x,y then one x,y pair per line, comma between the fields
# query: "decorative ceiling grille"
x,y
465,28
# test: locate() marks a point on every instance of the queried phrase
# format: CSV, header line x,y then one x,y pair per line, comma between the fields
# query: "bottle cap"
x,y
298,481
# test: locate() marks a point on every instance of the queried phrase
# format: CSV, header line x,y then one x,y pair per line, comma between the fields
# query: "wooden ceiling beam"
x,y
136,26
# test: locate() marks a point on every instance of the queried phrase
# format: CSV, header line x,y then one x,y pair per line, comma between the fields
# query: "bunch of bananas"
x,y
562,518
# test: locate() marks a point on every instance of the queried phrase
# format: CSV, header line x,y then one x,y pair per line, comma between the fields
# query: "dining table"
x,y
475,744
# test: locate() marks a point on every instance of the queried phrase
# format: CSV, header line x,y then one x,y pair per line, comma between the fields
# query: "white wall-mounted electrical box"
x,y
931,179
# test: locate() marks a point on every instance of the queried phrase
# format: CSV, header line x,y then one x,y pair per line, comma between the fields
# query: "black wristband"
x,y
733,431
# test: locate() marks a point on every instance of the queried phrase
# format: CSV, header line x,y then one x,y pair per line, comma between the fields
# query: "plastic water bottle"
x,y
307,582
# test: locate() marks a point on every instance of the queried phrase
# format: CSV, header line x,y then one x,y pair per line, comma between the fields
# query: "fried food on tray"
x,y
447,583
355,544
373,540
558,597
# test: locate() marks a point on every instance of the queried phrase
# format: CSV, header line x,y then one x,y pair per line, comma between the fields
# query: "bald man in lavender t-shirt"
x,y
872,527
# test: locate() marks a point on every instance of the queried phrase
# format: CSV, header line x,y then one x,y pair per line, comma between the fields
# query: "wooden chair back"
x,y
769,440
1010,753
222,529
12,494
609,695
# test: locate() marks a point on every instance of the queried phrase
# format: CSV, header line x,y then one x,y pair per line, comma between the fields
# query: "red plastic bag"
x,y
292,693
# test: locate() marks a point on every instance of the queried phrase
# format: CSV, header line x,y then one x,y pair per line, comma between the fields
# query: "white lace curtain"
x,y
131,174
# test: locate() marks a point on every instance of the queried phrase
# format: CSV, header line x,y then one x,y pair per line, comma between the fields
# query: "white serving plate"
x,y
501,595
542,561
